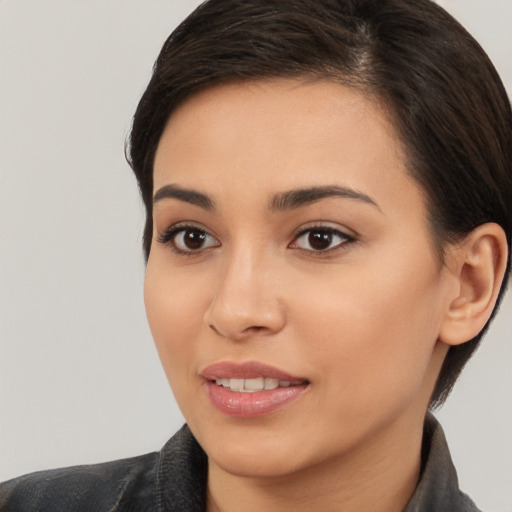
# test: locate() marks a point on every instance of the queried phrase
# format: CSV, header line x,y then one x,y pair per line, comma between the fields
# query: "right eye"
x,y
188,239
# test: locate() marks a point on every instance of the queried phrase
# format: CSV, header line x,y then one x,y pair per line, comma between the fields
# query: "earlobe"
x,y
479,264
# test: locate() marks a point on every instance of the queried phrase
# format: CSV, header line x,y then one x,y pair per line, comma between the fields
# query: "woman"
x,y
328,233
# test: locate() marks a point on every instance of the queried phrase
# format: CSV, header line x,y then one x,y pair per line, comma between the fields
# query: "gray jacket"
x,y
174,480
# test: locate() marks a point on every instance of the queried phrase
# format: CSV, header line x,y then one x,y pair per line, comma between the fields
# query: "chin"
x,y
248,453
255,463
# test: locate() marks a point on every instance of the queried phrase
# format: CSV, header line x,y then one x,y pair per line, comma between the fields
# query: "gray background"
x,y
80,379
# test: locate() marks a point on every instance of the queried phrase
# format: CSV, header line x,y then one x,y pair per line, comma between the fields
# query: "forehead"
x,y
281,134
297,109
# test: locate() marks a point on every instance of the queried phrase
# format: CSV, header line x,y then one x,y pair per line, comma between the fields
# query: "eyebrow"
x,y
304,196
182,194
288,200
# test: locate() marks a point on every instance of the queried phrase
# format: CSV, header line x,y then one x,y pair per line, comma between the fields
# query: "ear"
x,y
478,263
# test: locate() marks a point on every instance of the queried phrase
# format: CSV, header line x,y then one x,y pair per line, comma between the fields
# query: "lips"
x,y
251,389
249,370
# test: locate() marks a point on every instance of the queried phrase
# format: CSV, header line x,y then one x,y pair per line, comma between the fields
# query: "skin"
x,y
360,321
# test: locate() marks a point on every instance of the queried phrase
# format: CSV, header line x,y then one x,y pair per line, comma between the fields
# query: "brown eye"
x,y
191,239
194,239
320,239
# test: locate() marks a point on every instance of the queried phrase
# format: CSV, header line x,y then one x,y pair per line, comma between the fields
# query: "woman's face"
x,y
291,249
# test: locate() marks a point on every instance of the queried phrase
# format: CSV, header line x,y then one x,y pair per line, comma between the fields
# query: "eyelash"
x,y
346,239
169,238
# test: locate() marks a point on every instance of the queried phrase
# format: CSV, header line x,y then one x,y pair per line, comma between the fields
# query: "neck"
x,y
380,477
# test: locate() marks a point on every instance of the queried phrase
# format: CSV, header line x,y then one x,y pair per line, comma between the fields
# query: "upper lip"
x,y
247,370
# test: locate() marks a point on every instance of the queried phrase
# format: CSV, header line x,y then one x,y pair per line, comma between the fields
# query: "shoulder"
x,y
173,479
100,487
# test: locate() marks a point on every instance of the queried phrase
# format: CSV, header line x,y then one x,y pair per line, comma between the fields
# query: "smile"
x,y
254,385
251,389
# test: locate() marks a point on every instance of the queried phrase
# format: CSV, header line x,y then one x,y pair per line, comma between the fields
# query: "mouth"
x,y
251,389
256,384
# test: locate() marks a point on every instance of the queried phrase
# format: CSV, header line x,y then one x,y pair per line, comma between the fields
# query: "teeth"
x,y
236,384
252,385
271,383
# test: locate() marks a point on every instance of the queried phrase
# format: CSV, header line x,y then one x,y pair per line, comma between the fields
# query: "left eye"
x,y
320,239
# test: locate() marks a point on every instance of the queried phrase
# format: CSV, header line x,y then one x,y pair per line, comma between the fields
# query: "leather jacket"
x,y
174,480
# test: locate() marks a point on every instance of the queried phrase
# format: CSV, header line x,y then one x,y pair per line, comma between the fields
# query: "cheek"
x,y
175,308
371,333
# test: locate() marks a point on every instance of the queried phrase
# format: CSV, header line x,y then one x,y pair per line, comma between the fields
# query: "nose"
x,y
246,301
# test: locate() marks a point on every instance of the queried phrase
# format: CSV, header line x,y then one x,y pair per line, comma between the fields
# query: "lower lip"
x,y
252,405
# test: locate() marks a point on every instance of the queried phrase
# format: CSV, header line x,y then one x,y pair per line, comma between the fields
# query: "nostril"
x,y
237,320
255,329
242,334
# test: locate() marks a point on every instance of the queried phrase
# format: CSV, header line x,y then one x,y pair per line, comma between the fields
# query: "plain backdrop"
x,y
80,378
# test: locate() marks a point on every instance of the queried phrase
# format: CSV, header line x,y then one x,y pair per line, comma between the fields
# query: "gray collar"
x,y
438,488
